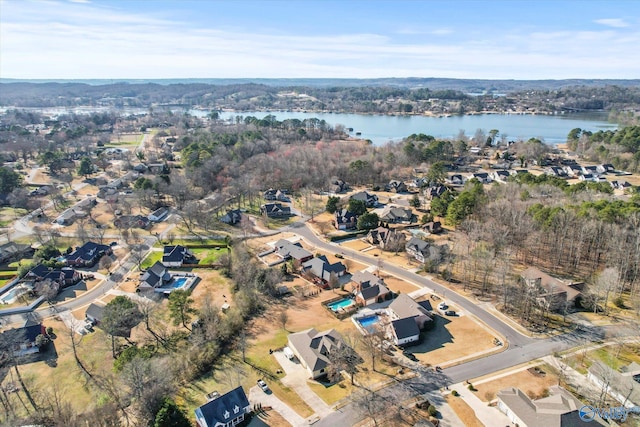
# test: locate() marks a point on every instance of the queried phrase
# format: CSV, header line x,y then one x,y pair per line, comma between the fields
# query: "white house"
x,y
158,215
223,411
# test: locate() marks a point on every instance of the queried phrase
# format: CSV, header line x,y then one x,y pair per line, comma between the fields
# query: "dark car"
x,y
450,313
410,356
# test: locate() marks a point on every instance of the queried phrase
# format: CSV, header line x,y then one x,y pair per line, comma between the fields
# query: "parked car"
x,y
263,385
443,306
450,313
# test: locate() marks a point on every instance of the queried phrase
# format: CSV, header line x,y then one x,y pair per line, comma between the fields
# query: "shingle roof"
x,y
321,268
88,252
405,307
314,346
224,408
405,328
287,249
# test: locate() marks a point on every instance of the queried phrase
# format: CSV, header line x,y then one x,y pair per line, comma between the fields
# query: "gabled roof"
x,y
343,216
550,284
320,267
405,328
94,311
314,347
223,409
558,410
405,307
373,291
287,249
366,279
155,275
176,253
418,245
394,213
88,252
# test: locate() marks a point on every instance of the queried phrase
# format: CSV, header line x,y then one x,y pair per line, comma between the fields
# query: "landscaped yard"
x,y
534,384
209,255
151,259
8,215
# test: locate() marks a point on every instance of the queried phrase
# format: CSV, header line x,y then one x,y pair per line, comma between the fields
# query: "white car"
x,y
443,306
263,385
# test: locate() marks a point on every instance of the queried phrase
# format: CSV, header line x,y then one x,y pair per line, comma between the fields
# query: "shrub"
x,y
619,302
471,387
432,410
455,393
49,331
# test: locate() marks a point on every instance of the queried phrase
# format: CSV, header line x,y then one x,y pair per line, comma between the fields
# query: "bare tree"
x,y
283,318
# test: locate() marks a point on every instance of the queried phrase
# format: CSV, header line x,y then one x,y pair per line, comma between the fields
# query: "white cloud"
x,y
61,40
612,22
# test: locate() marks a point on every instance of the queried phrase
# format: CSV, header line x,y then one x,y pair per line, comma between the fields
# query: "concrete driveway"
x,y
256,396
296,378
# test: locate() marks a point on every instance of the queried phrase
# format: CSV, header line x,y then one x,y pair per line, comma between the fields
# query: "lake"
x,y
552,129
381,129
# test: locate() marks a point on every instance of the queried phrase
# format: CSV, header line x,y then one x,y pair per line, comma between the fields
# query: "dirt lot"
x,y
532,383
453,338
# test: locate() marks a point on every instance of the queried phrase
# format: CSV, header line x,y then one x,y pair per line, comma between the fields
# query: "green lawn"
x,y
187,242
151,259
208,256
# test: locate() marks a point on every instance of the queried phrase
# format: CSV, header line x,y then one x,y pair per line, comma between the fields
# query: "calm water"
x,y
381,129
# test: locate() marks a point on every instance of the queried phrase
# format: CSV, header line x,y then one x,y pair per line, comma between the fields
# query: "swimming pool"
x,y
12,295
368,321
340,304
178,282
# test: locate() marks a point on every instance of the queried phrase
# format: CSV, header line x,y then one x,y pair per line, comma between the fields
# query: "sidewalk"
x,y
256,395
488,415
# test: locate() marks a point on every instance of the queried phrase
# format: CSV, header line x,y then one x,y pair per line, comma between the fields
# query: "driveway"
x,y
256,395
296,378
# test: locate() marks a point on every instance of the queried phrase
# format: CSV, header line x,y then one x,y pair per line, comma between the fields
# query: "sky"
x,y
154,39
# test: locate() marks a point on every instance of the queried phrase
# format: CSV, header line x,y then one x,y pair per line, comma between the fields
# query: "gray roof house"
x,y
322,269
226,410
404,331
286,250
275,210
397,215
232,217
402,308
558,294
312,349
370,200
560,409
621,385
418,248
369,288
155,276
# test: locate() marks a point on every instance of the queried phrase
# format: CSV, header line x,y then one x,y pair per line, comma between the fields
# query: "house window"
x,y
321,370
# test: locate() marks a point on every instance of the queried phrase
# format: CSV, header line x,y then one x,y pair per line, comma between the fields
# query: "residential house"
x,y
338,186
588,177
404,331
475,150
158,168
370,200
556,171
132,221
87,255
159,214
418,183
500,175
396,186
320,268
369,288
605,168
418,248
312,348
397,215
405,307
65,276
94,313
224,410
386,238
621,385
573,170
12,251
432,227
67,217
289,250
275,210
232,217
23,339
560,409
456,179
434,191
279,195
483,177
155,277
345,220
593,170
620,185
140,168
558,294
176,256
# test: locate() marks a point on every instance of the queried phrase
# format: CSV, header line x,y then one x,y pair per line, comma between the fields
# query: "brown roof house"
x,y
369,288
560,409
558,294
386,239
312,348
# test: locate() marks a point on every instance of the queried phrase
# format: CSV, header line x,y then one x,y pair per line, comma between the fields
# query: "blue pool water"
x,y
369,321
337,305
178,282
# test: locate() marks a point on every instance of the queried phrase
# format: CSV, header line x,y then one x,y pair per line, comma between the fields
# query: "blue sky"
x,y
145,39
